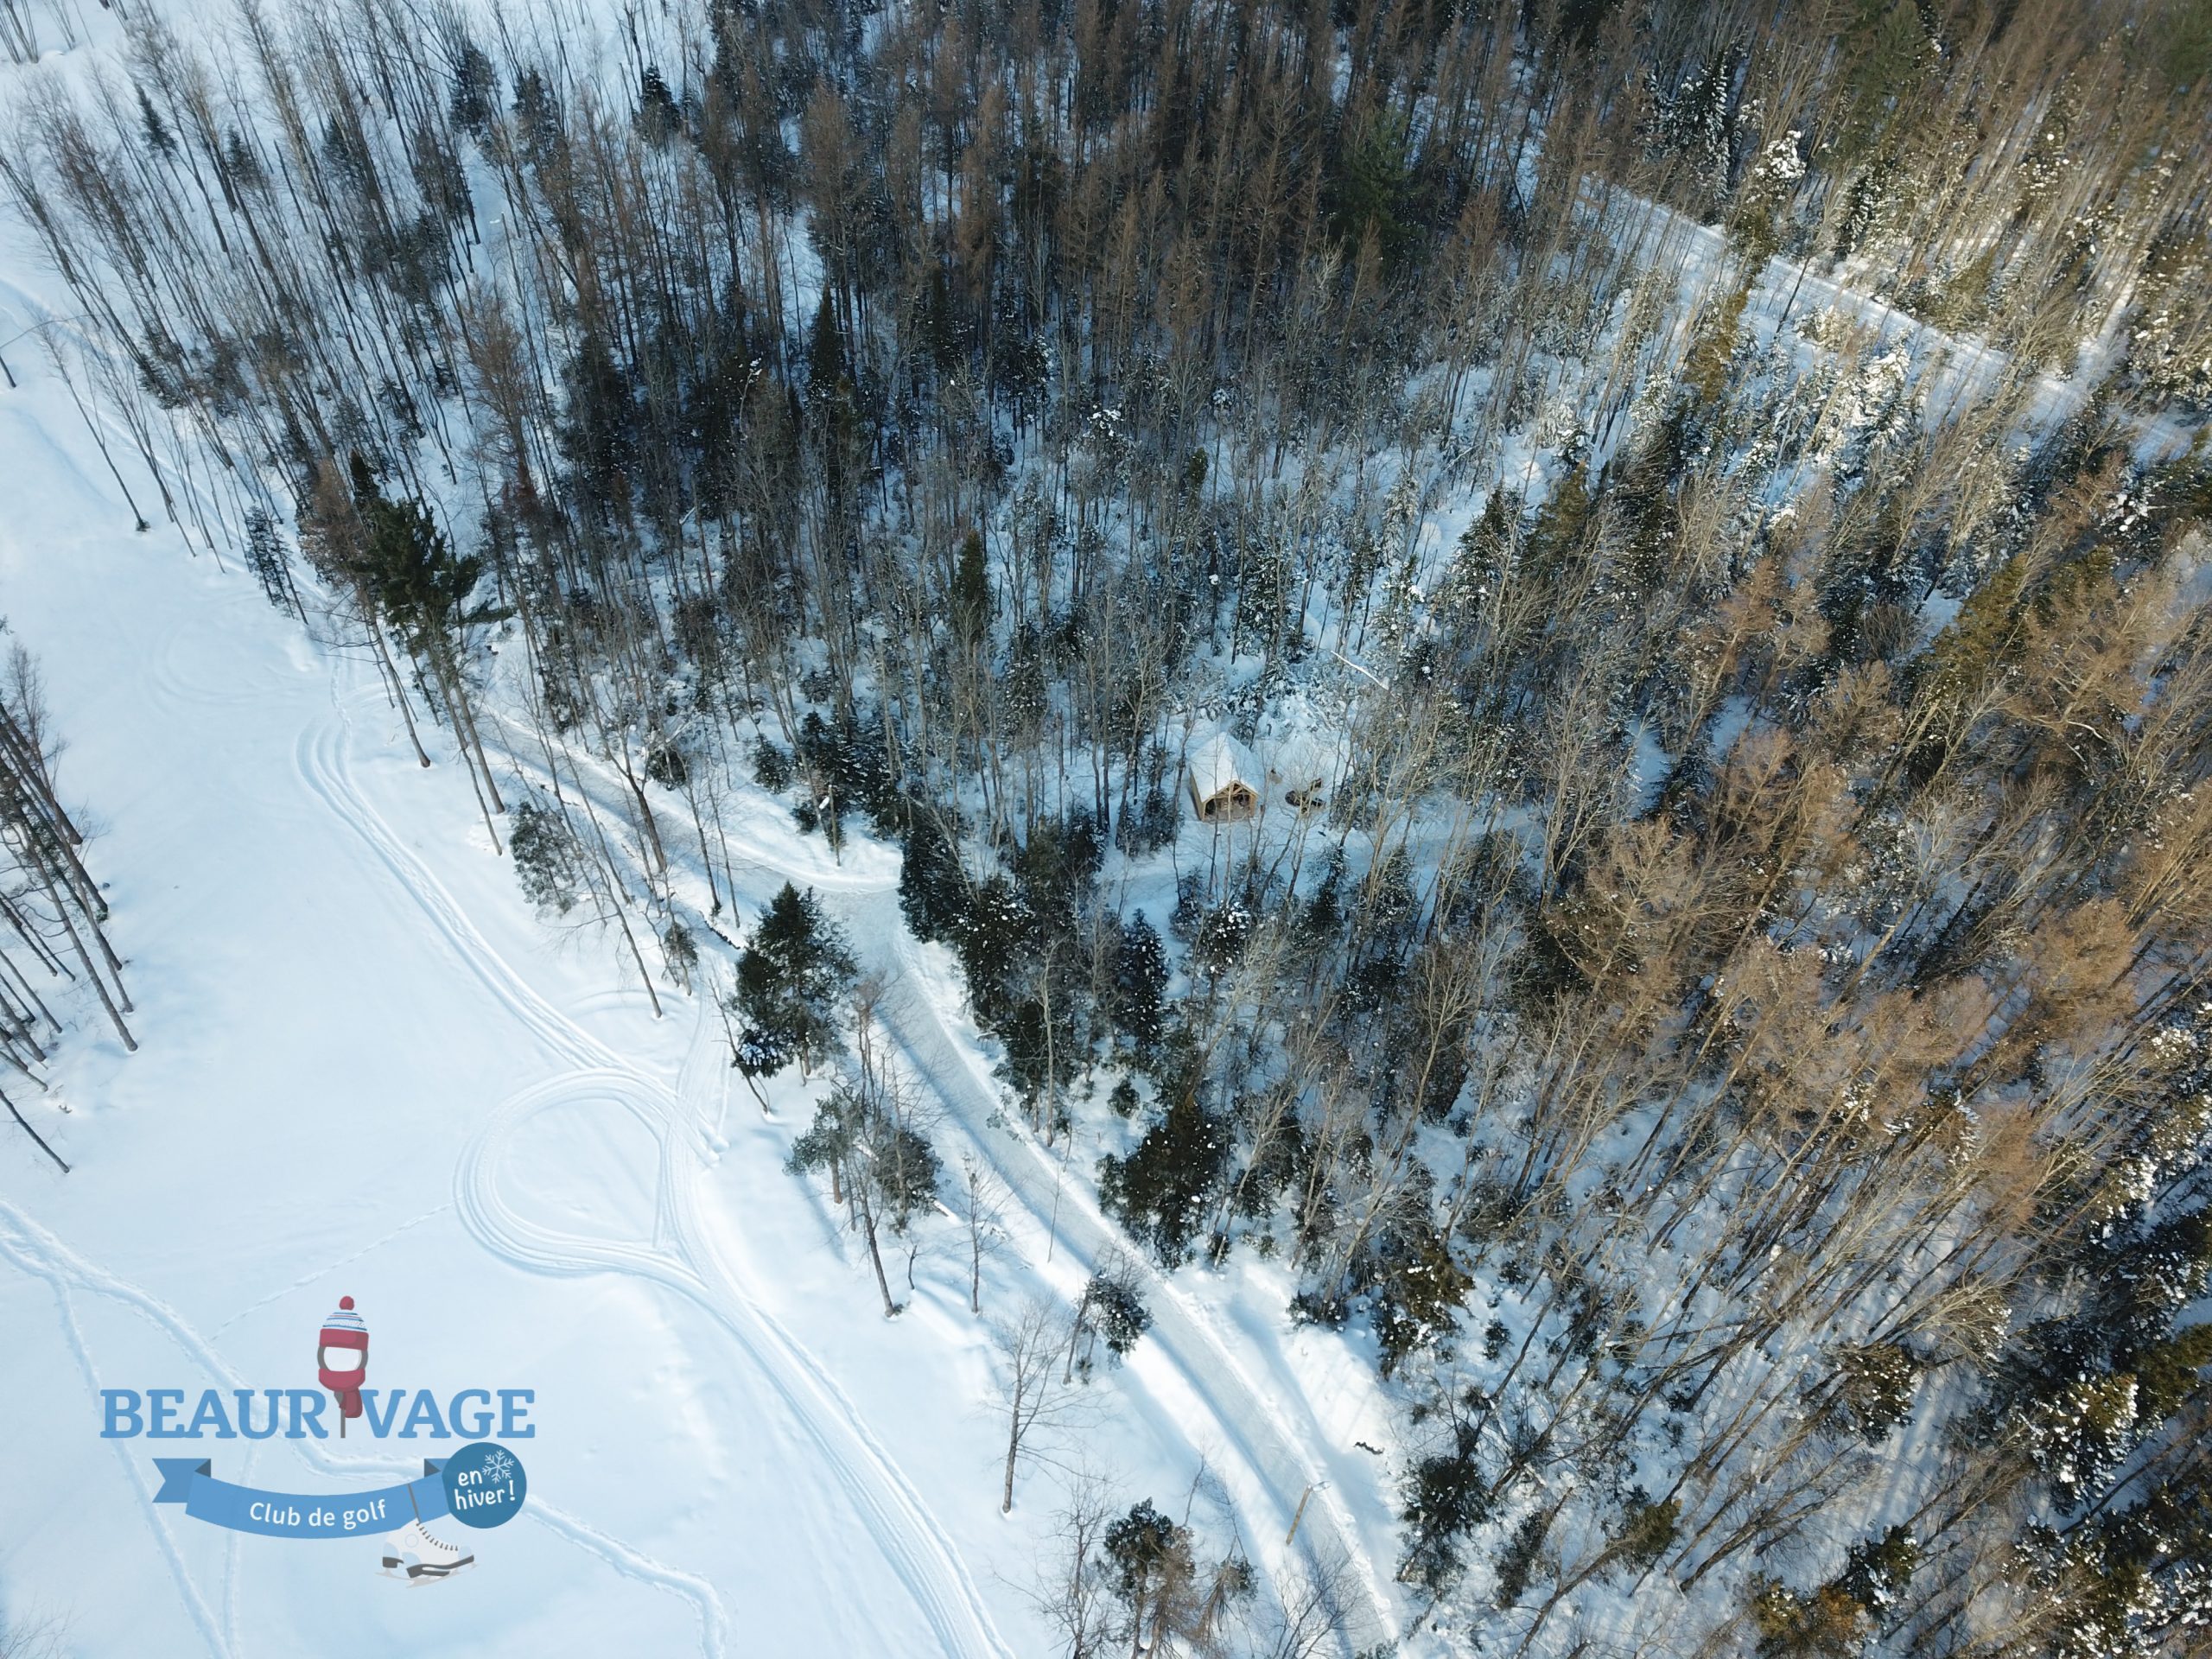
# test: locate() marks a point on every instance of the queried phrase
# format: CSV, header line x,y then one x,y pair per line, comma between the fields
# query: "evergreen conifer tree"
x,y
791,979
1140,983
933,886
971,592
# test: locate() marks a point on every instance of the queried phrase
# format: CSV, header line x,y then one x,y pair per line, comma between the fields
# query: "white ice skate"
x,y
411,1553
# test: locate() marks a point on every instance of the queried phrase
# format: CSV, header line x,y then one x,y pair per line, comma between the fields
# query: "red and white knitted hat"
x,y
344,1329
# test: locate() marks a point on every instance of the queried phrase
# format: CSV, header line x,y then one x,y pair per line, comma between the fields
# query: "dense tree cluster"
x,y
56,914
1742,1008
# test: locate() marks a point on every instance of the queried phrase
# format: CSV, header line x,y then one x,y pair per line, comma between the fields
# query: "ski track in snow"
x,y
917,1549
714,1619
195,1603
324,1269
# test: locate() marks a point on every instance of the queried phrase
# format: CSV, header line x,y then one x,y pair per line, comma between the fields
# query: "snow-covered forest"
x,y
1542,672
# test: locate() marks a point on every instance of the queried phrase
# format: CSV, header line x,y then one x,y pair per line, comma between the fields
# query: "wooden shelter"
x,y
1221,777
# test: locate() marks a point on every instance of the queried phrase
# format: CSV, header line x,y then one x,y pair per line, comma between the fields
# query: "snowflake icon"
x,y
497,1465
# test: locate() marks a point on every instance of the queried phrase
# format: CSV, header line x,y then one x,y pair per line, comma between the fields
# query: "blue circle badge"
x,y
485,1485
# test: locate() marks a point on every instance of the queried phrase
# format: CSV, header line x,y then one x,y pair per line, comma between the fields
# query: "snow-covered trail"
x,y
222,748
1959,367
1280,1460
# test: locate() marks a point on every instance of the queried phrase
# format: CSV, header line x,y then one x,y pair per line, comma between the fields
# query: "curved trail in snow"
x,y
680,1258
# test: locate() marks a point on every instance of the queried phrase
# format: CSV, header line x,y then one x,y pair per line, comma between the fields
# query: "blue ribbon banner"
x,y
297,1515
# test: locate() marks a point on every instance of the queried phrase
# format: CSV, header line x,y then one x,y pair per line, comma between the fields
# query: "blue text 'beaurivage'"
x,y
296,1414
